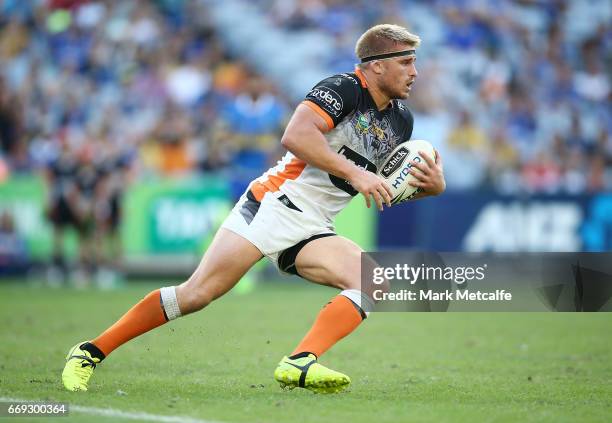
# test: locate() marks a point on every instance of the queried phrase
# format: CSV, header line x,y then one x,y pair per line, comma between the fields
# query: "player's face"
x,y
398,76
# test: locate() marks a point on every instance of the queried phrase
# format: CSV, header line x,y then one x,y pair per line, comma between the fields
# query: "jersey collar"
x,y
361,77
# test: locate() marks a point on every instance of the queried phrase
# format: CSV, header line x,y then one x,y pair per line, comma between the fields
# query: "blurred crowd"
x,y
94,94
516,94
147,78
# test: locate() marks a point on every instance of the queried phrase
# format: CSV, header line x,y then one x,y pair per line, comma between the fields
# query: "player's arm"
x,y
429,175
304,138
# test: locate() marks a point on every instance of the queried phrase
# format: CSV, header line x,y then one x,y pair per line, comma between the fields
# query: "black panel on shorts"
x,y
287,202
286,259
250,207
62,214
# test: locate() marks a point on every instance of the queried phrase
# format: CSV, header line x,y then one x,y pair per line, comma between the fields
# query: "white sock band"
x,y
359,298
169,302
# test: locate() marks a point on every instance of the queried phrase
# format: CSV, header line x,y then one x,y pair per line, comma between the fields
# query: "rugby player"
x,y
62,204
336,139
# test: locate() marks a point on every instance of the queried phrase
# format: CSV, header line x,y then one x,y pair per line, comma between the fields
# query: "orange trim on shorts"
x,y
292,170
314,106
361,77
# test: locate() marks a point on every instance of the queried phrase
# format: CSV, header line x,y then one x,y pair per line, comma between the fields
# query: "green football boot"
x,y
79,368
306,373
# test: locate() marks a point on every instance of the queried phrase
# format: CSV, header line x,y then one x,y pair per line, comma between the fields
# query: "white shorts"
x,y
275,225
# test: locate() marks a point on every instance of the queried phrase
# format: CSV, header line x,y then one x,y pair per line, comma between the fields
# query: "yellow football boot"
x,y
306,373
79,368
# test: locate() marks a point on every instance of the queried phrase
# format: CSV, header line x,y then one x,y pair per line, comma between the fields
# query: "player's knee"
x,y
349,276
348,282
192,297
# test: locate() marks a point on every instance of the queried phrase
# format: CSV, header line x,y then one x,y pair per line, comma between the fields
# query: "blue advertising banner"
x,y
481,222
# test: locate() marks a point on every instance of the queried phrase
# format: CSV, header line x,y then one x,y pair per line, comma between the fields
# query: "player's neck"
x,y
381,99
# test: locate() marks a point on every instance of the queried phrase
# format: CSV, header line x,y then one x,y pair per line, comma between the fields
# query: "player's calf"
x,y
225,262
155,309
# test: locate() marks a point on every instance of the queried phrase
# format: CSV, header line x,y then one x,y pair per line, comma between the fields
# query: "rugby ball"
x,y
395,169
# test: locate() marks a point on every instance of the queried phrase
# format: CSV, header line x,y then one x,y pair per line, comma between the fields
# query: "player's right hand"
x,y
371,185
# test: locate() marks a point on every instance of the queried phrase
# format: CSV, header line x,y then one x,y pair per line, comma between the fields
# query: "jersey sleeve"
x,y
334,98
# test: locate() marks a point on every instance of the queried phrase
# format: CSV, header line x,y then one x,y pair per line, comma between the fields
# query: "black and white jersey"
x,y
88,178
63,170
359,131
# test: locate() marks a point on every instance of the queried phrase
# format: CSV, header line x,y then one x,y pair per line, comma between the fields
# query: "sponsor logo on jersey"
x,y
329,99
394,162
359,161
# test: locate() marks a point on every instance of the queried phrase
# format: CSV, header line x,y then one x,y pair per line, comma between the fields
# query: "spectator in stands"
x,y
252,124
173,139
503,163
542,174
467,143
467,136
255,116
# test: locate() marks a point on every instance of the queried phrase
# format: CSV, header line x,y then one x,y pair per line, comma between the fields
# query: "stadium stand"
x,y
515,95
513,88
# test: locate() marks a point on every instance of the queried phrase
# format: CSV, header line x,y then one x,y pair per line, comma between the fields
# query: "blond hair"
x,y
384,38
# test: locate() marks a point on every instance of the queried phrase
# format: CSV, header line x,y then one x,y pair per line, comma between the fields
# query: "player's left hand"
x,y
429,174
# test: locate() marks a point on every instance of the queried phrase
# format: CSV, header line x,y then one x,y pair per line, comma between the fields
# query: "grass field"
x,y
217,365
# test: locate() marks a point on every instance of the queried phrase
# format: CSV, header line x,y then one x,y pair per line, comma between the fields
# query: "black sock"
x,y
93,350
301,355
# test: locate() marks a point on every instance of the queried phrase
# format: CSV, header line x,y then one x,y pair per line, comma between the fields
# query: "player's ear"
x,y
378,67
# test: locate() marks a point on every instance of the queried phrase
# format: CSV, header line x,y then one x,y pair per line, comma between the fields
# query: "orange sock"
x,y
144,316
337,319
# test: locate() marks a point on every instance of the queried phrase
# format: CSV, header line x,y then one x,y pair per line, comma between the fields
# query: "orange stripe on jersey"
x,y
361,77
320,112
292,170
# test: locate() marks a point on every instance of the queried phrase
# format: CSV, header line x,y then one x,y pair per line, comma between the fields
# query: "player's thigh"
x,y
332,260
226,260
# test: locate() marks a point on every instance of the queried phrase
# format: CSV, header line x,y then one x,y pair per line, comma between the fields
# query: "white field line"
x,y
112,412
